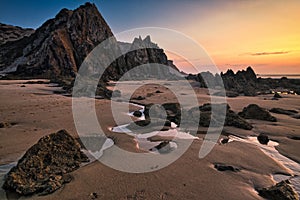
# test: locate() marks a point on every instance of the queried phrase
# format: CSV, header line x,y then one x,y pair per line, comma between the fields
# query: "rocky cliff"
x,y
144,51
59,46
57,49
10,33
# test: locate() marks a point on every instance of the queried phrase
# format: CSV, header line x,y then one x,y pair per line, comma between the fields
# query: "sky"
x,y
264,34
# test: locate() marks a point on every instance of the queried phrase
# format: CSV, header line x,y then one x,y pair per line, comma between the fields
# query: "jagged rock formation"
x,y
44,167
10,33
243,82
144,51
59,46
57,49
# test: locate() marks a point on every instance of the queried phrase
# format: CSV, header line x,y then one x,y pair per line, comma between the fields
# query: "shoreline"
x,y
52,112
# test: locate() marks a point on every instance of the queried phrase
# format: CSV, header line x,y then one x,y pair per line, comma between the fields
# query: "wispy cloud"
x,y
267,53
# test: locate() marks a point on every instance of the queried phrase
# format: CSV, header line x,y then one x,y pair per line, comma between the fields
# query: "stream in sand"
x,y
145,144
270,150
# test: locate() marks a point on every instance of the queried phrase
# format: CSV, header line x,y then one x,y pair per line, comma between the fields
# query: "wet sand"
x,y
36,112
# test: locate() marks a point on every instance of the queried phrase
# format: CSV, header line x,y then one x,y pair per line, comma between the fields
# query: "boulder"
x,y
281,191
45,166
253,111
263,139
173,111
231,119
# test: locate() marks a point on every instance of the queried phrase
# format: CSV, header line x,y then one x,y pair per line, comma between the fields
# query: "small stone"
x,y
224,140
137,113
139,98
263,139
93,195
223,167
4,124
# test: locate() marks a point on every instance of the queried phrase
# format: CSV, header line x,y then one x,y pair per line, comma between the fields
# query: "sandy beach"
x,y
33,110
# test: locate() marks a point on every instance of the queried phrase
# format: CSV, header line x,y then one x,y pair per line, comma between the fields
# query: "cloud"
x,y
267,53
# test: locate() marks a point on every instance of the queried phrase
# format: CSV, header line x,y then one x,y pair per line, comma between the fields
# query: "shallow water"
x,y
141,110
4,169
271,151
143,141
94,155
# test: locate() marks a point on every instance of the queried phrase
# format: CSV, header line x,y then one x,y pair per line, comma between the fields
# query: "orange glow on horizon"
x,y
261,34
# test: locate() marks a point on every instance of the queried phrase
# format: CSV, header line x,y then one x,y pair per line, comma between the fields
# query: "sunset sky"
x,y
264,34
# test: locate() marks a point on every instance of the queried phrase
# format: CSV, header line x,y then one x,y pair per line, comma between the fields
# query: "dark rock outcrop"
x,y
263,139
172,111
57,49
233,119
253,111
59,46
4,124
227,94
206,118
281,191
245,82
9,33
276,95
283,111
223,167
45,166
241,82
145,52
